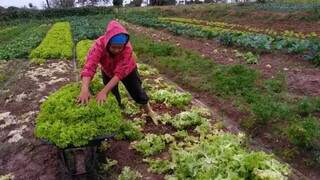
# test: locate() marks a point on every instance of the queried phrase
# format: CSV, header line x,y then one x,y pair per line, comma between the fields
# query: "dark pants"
x,y
133,85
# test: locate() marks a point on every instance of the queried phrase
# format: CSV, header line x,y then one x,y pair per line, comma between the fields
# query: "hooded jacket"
x,y
119,65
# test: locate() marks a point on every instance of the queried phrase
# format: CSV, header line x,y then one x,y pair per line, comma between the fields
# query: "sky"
x,y
21,3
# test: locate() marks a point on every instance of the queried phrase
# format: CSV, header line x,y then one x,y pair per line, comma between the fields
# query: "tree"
x,y
195,2
81,2
12,8
31,6
209,1
137,3
67,3
91,2
162,2
117,3
61,3
48,4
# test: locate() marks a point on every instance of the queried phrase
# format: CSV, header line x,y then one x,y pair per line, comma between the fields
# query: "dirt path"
x,y
20,153
278,21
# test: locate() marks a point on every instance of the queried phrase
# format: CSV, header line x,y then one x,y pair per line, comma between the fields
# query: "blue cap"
x,y
119,39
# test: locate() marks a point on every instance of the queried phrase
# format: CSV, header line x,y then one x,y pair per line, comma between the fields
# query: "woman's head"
x,y
117,43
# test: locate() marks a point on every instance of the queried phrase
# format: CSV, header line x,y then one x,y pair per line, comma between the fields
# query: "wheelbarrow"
x,y
79,162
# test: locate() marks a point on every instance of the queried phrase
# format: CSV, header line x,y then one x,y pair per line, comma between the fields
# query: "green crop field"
x,y
235,89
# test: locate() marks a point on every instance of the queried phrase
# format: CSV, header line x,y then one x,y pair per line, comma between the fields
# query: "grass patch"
x,y
305,132
224,80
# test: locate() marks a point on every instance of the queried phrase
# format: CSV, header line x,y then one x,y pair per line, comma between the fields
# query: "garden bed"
x,y
269,93
225,107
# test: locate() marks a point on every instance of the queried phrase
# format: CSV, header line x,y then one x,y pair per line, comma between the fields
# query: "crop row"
x,y
17,41
88,27
57,44
260,42
265,100
229,26
211,152
82,50
309,47
22,43
9,33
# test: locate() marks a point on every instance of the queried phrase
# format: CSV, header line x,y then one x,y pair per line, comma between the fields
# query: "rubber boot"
x,y
147,108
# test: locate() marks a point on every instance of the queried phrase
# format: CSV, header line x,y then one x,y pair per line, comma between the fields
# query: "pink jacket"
x,y
120,65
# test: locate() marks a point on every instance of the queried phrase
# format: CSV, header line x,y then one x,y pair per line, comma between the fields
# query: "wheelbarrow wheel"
x,y
78,163
63,172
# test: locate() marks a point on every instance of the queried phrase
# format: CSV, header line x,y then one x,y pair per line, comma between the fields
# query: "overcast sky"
x,y
21,3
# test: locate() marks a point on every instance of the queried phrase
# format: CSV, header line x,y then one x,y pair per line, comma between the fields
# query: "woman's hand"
x,y
84,96
102,97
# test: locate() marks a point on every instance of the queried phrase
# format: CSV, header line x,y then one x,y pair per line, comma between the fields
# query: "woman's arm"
x,y
93,59
102,95
113,82
89,70
84,96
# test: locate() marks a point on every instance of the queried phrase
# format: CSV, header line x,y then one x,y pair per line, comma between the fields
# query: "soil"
x,y
279,22
20,152
150,127
302,78
121,152
304,81
8,69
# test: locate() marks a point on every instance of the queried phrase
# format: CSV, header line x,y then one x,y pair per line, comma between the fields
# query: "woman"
x,y
114,53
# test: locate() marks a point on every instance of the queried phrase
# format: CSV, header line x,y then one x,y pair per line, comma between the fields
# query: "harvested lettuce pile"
x,y
65,123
